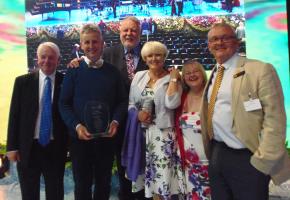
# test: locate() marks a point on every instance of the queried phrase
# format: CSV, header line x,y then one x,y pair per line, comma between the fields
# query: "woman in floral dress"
x,y
194,161
154,94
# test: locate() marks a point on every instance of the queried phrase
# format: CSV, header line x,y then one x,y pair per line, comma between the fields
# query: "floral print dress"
x,y
163,174
196,173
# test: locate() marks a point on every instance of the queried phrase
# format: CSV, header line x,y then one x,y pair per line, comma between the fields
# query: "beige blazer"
x,y
261,131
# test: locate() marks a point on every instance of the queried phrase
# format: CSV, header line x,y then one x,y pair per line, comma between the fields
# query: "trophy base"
x,y
98,135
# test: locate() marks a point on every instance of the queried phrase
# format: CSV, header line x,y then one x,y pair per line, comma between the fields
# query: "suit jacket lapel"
x,y
121,57
141,65
209,82
32,88
238,78
57,86
56,93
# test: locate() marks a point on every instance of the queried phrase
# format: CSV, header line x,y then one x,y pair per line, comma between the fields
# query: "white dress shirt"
x,y
41,83
98,64
222,120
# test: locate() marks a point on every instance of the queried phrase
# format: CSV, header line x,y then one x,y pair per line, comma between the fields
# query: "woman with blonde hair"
x,y
154,94
188,129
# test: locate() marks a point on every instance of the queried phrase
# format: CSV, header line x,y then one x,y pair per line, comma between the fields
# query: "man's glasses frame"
x,y
223,38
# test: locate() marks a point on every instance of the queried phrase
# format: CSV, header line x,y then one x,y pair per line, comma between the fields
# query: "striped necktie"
x,y
46,115
212,100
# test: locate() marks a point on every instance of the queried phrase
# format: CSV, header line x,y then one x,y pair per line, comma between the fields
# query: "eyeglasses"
x,y
224,38
189,73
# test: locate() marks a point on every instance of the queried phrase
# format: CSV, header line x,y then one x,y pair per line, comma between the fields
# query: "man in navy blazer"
x,y
23,147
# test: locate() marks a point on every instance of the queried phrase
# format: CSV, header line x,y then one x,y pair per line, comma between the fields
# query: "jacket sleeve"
x,y
122,104
14,117
272,137
173,101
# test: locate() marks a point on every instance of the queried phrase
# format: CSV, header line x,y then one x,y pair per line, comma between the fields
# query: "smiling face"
x,y
222,43
193,76
92,44
47,60
129,33
155,61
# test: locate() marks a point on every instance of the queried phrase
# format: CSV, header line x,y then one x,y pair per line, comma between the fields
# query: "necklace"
x,y
158,75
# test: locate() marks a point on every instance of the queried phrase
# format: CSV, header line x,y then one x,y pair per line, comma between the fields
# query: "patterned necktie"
x,y
212,100
130,65
46,116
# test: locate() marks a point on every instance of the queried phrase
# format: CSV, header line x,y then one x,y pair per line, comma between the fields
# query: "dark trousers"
x,y
92,165
125,192
43,161
232,177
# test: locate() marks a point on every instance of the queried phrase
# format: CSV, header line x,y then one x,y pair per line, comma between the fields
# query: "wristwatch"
x,y
173,80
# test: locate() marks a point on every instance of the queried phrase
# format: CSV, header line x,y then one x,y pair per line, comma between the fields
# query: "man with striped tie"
x,y
37,136
243,122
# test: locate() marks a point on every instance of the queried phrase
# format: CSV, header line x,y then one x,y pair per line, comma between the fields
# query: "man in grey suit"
x,y
243,122
118,56
37,155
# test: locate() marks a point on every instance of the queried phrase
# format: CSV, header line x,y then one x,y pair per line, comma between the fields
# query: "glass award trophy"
x,y
97,118
148,106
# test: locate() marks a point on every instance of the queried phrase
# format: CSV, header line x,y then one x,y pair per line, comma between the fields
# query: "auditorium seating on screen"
x,y
182,47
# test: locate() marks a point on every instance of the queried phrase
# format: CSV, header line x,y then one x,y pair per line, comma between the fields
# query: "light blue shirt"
x,y
222,120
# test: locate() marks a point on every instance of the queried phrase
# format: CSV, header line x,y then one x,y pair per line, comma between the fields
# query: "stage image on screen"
x,y
181,25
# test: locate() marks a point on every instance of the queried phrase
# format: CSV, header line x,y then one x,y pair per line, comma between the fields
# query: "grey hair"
x,y
51,45
223,25
133,19
90,28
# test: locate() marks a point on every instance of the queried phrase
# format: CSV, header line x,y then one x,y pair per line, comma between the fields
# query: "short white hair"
x,y
154,47
51,45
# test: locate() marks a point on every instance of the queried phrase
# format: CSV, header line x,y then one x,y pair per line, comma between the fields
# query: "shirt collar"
x,y
42,76
232,62
98,63
135,50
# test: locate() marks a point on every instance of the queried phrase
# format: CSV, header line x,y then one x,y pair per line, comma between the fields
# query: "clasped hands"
x,y
144,117
84,134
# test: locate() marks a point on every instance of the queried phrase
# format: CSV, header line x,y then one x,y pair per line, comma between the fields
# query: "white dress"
x,y
196,172
163,174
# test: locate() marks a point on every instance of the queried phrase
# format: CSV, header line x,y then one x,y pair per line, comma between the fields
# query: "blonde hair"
x,y
87,28
199,68
51,45
154,47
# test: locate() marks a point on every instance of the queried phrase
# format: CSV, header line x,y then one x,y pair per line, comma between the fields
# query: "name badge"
x,y
252,104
